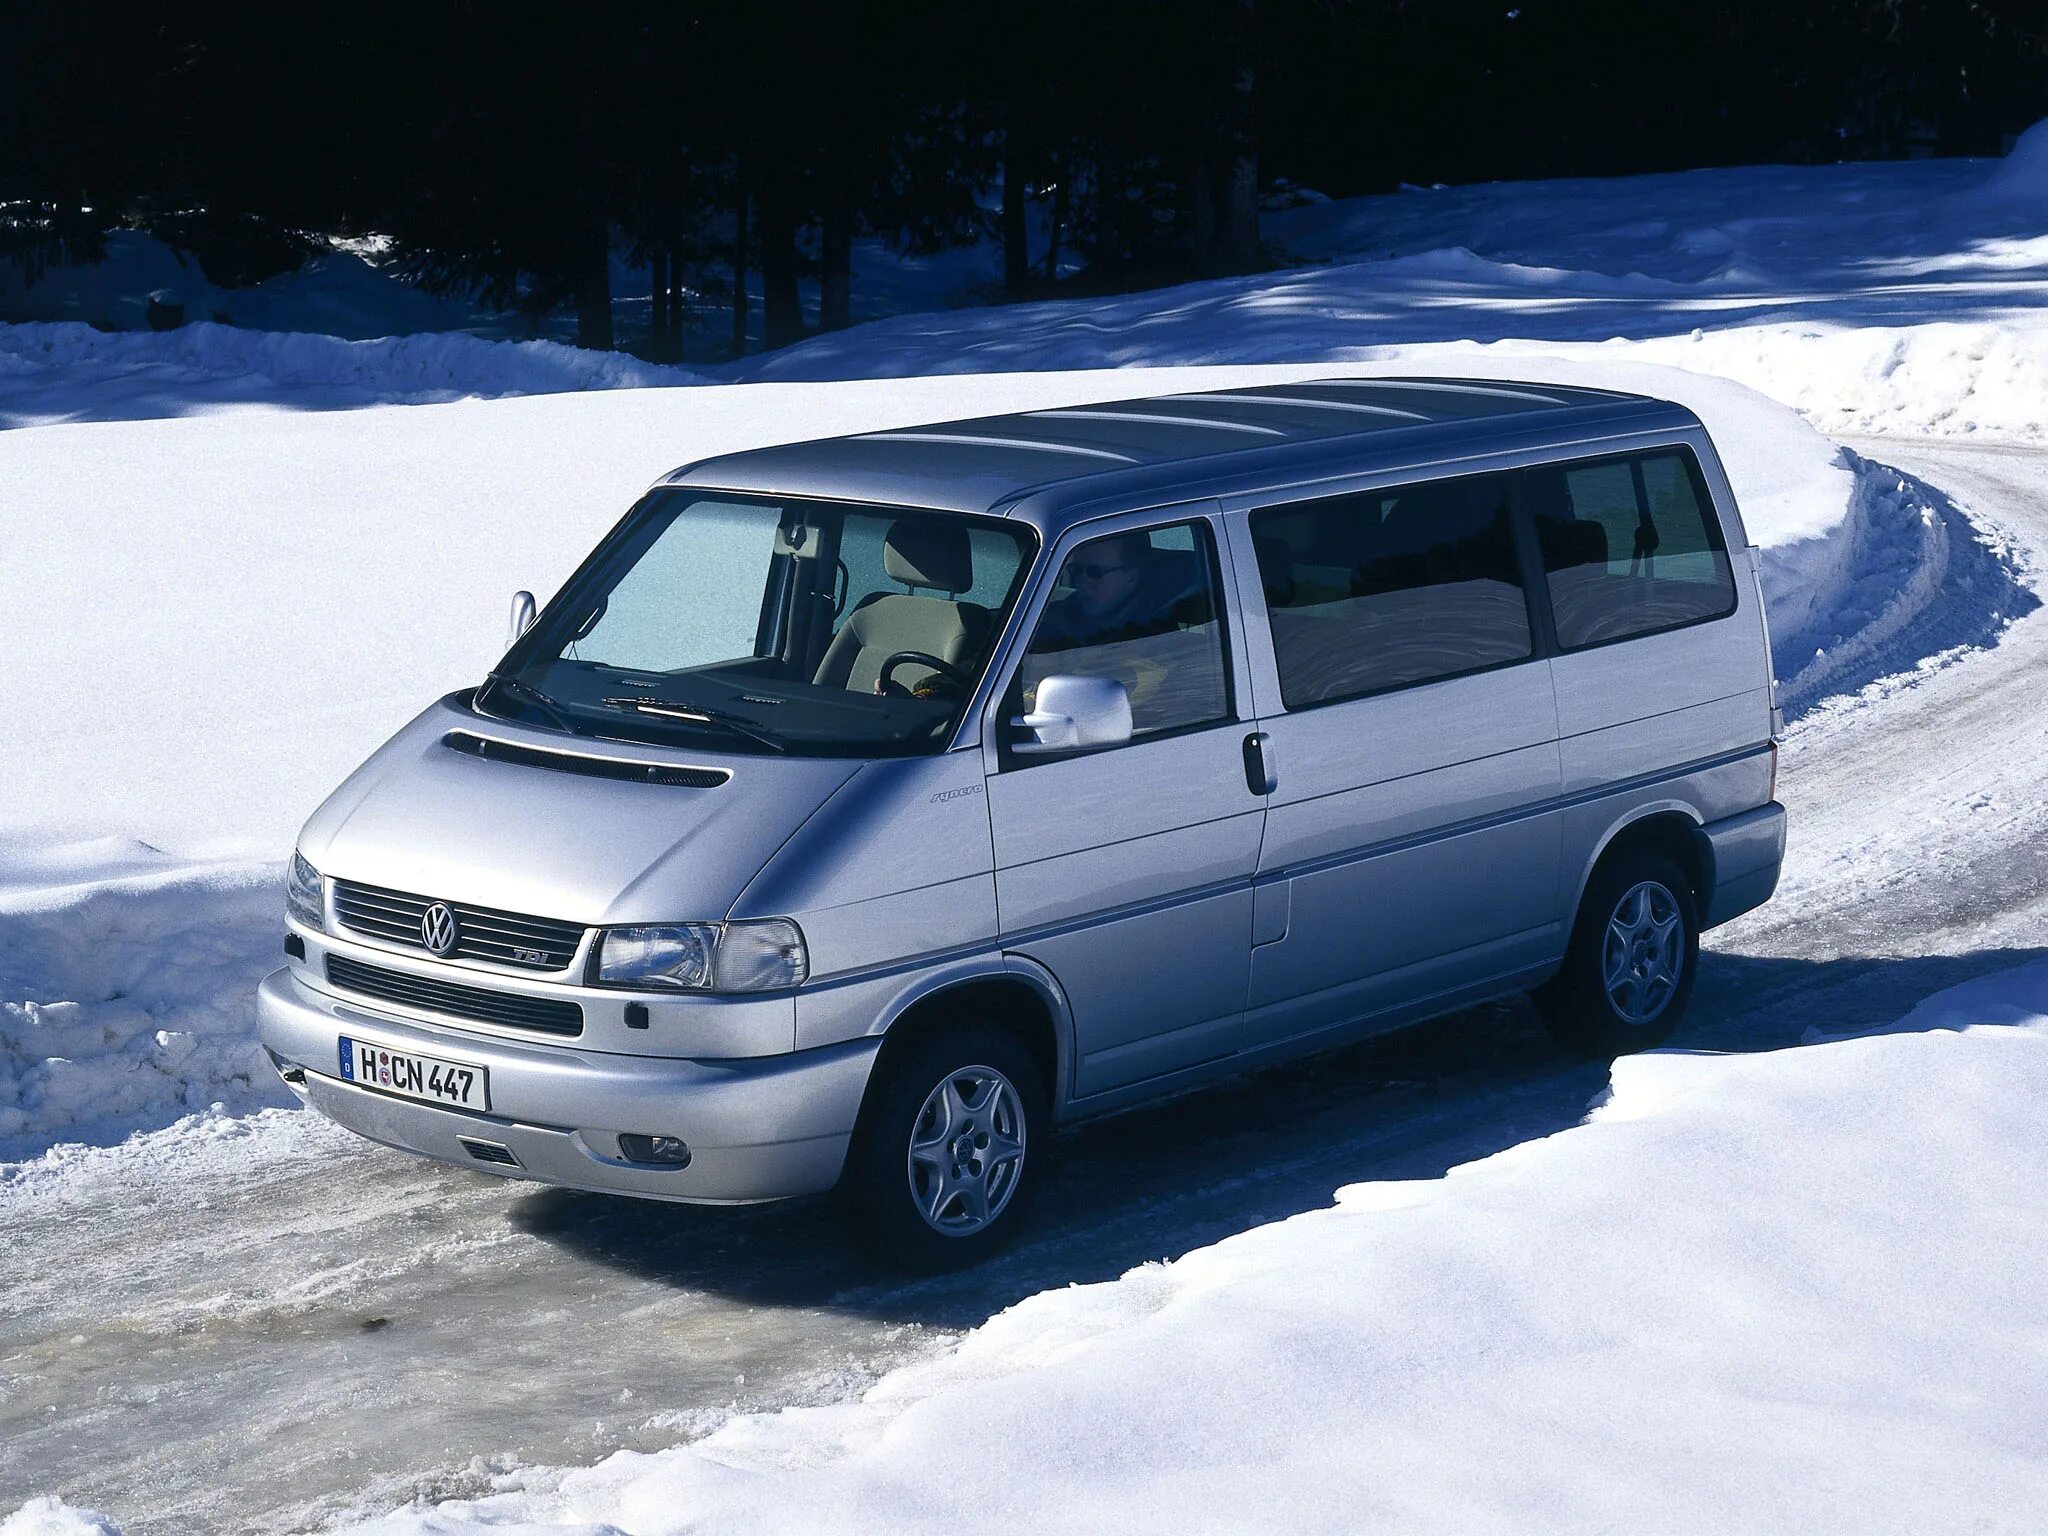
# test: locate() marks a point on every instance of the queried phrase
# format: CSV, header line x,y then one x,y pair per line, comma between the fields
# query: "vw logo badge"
x,y
437,928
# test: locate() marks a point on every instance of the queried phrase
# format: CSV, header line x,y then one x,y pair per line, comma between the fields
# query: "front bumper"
x,y
759,1128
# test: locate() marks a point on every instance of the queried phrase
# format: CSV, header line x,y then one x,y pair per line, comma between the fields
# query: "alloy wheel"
x,y
1642,958
966,1151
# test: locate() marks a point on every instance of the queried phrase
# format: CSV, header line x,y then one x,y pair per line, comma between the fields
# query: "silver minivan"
x,y
864,808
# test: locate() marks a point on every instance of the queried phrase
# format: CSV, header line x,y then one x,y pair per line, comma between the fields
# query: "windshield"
x,y
769,625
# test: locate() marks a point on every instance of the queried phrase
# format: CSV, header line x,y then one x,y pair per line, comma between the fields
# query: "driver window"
x,y
1142,608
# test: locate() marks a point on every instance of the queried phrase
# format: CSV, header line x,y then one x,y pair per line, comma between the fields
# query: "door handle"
x,y
1259,776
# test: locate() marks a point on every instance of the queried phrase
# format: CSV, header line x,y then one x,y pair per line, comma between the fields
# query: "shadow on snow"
x,y
1155,1182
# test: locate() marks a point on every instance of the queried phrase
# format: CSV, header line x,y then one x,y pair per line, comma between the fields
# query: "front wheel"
x,y
949,1151
1628,972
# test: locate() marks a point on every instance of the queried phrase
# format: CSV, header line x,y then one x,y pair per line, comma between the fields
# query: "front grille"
x,y
481,933
547,1015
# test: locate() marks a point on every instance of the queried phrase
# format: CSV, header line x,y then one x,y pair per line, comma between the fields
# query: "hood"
x,y
422,817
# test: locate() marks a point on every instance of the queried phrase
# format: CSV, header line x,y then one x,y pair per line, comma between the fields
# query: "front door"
x,y
1126,870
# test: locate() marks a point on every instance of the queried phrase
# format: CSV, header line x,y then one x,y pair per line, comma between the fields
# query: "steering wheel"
x,y
895,659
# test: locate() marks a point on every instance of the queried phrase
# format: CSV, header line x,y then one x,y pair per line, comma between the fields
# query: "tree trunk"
x,y
1060,205
739,278
657,333
1016,237
1201,213
1237,190
594,289
835,275
782,310
1107,257
592,276
677,310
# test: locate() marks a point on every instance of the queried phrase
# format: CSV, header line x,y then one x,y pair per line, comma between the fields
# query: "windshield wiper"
x,y
547,704
698,714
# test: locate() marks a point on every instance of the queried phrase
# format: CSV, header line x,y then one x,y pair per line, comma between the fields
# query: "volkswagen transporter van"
x,y
863,809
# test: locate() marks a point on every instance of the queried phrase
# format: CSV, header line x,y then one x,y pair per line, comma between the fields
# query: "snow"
x,y
127,992
239,558
303,583
1795,1289
1888,297
300,582
337,292
51,1517
2019,183
66,372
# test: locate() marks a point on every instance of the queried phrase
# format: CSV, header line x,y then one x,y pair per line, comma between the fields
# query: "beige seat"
x,y
919,552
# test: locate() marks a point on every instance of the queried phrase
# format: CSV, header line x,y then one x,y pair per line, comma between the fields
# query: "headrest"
x,y
928,552
1571,541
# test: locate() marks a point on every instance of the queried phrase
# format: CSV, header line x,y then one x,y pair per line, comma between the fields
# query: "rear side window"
x,y
1392,587
1630,546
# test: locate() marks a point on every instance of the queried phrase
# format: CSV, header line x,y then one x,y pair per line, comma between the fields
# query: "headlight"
x,y
705,957
302,894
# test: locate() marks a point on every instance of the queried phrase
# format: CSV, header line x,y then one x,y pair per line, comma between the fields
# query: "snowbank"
x,y
1907,297
63,372
1901,297
2019,183
1906,577
336,292
127,993
1794,1290
1937,379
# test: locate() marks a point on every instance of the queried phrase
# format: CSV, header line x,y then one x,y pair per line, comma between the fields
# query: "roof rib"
x,y
1160,418
975,440
1307,402
1441,387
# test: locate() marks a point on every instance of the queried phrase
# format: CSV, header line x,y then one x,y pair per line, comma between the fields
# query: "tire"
x,y
925,1195
1628,971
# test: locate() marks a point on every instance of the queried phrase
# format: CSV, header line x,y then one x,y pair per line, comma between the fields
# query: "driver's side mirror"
x,y
522,617
1071,714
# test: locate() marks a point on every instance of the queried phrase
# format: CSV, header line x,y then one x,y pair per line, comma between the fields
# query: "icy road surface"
x,y
264,1324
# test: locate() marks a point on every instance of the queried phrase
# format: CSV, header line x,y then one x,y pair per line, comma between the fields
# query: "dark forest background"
x,y
738,148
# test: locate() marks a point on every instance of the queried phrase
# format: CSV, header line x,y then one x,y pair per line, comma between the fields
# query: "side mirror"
x,y
522,617
1073,714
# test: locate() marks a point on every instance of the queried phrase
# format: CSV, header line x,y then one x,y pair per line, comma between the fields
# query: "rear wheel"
x,y
949,1150
1628,972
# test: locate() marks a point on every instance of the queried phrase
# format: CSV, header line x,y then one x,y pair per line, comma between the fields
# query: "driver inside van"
x,y
1123,614
1119,592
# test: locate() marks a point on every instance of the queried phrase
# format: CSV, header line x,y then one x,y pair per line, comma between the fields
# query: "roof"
x,y
1049,465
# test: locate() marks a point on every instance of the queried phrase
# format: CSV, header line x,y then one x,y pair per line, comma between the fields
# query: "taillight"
x,y
1772,793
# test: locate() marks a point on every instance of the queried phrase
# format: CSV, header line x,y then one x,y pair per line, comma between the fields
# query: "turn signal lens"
x,y
760,957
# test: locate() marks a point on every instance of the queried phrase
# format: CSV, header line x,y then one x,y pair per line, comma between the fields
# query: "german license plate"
x,y
426,1078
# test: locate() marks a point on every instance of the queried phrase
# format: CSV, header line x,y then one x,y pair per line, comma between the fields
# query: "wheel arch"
x,y
1011,990
1669,827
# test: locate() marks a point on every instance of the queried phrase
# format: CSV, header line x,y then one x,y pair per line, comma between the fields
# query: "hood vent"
x,y
589,767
